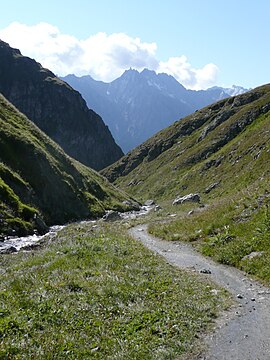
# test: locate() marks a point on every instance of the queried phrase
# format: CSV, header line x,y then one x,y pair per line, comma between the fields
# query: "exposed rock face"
x,y
56,108
187,198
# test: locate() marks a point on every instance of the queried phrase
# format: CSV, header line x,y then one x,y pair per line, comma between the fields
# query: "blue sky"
x,y
201,42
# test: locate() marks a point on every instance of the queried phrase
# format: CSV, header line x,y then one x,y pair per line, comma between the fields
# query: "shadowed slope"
x,y
36,171
56,108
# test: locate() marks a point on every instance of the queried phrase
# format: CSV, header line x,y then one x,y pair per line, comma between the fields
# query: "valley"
x,y
94,290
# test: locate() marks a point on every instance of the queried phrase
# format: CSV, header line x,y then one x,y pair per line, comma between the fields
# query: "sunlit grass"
x,y
227,230
96,293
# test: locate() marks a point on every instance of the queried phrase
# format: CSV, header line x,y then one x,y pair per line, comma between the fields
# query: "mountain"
x,y
56,108
225,145
39,182
217,157
137,105
233,91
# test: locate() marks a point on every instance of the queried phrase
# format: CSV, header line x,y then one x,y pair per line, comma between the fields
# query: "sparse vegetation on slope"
x,y
189,141
95,293
38,177
221,152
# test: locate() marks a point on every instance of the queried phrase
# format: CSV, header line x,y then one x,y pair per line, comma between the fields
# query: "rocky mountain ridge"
x,y
56,109
137,105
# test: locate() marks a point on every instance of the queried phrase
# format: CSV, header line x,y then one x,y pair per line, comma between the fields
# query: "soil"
x,y
243,333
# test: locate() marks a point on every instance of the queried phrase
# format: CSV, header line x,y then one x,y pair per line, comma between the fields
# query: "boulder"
x,y
40,225
132,205
30,247
211,187
112,215
190,197
8,250
149,203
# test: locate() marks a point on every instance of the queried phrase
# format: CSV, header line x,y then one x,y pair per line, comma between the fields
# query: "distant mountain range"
x,y
137,105
56,108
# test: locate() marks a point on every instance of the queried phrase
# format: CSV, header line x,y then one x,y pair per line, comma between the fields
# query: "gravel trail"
x,y
242,333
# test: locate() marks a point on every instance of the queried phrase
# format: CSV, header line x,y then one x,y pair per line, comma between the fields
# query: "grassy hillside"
x,y
190,141
37,177
221,152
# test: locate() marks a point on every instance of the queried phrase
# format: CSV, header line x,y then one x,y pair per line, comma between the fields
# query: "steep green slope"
x,y
36,171
222,153
225,143
56,109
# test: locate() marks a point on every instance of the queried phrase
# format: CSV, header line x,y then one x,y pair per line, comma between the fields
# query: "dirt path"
x,y
244,332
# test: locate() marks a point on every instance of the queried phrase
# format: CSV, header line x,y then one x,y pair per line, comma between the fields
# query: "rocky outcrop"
x,y
138,104
187,198
57,109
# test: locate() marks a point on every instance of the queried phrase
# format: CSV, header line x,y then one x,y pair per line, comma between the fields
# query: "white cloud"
x,y
104,57
191,78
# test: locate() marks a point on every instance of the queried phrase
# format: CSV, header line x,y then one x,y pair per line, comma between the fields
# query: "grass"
x,y
227,230
95,293
13,213
37,173
221,152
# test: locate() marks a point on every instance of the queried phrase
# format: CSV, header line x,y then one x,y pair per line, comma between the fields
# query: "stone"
x,y
8,250
253,255
211,187
30,247
131,205
190,197
112,215
149,203
42,228
205,271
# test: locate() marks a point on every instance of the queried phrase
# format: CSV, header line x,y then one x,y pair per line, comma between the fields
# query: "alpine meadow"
x,y
134,180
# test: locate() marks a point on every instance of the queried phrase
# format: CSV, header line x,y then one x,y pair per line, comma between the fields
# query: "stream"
x,y
14,244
